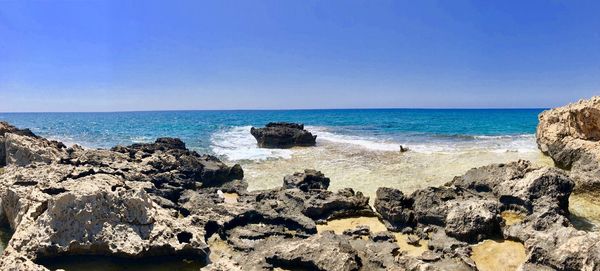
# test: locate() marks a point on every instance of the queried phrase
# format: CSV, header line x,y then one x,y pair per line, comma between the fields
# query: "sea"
x,y
356,148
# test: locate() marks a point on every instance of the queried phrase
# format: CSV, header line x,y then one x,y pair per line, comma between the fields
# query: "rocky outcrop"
x,y
467,210
571,136
161,199
283,135
22,147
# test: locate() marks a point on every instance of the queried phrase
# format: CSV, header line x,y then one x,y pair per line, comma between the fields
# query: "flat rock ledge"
x,y
161,199
283,135
571,136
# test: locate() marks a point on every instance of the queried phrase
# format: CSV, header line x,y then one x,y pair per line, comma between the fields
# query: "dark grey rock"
x,y
283,135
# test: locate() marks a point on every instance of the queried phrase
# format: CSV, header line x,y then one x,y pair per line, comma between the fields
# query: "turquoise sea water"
x,y
225,132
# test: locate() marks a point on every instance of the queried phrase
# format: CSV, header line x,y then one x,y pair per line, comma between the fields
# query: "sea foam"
x,y
237,143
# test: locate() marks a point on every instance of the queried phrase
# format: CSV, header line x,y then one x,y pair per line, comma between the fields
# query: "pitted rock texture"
x,y
571,136
308,180
467,210
283,135
22,147
161,199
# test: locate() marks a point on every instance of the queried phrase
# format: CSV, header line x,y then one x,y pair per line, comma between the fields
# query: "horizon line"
x,y
284,109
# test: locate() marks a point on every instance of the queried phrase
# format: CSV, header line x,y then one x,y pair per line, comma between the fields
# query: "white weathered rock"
x,y
571,136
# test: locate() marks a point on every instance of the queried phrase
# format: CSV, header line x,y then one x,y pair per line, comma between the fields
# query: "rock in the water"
x,y
310,179
283,135
571,136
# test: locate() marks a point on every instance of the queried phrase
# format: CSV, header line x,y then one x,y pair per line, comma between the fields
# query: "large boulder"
x,y
571,136
283,135
473,220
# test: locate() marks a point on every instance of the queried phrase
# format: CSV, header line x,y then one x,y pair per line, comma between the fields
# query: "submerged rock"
x,y
283,135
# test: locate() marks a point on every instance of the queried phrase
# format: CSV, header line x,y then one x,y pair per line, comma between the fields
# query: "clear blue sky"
x,y
122,55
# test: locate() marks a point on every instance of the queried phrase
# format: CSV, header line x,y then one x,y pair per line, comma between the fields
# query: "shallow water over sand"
x,y
503,255
585,211
365,170
340,225
512,217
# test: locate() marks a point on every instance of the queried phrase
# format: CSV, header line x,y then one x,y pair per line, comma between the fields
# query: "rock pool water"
x,y
585,211
498,255
340,225
512,217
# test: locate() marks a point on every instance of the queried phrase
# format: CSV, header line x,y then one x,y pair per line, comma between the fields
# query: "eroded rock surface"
x,y
467,210
161,199
571,136
283,135
22,147
122,202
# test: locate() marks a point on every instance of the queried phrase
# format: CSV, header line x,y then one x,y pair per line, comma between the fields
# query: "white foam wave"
x,y
141,139
237,143
523,136
364,142
499,144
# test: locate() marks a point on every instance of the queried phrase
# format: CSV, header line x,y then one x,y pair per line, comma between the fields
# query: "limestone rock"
x,y
23,147
322,252
571,136
473,220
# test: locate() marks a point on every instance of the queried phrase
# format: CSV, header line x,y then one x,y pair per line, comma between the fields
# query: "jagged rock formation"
x,y
467,210
283,135
308,180
161,199
22,147
571,136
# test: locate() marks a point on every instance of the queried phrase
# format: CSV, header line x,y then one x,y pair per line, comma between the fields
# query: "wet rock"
x,y
359,231
571,136
283,135
310,179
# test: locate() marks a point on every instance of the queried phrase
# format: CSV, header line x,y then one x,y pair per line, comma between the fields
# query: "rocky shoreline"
x,y
163,200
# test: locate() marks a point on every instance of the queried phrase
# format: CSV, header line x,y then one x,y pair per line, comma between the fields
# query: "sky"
x,y
196,55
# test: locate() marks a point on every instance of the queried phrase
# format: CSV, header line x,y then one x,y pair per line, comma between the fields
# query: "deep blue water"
x,y
196,128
